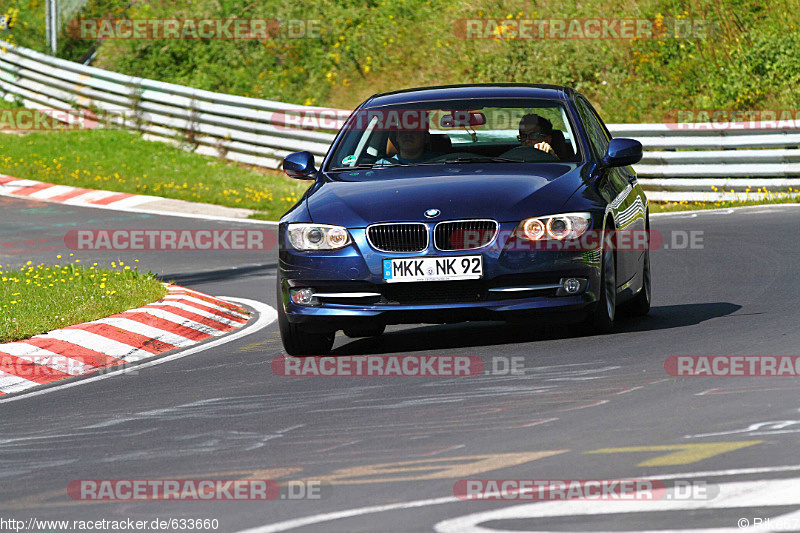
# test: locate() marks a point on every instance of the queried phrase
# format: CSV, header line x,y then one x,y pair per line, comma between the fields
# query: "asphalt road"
x,y
390,450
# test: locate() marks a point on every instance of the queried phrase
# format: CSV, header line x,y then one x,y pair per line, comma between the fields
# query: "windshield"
x,y
457,132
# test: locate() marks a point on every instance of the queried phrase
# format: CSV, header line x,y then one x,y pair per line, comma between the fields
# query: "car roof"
x,y
457,92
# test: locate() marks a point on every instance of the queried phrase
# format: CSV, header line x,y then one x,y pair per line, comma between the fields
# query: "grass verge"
x,y
123,162
743,55
774,198
41,298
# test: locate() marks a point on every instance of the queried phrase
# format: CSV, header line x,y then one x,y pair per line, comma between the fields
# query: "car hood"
x,y
509,192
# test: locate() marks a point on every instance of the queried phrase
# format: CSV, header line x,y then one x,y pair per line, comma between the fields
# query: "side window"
x,y
598,135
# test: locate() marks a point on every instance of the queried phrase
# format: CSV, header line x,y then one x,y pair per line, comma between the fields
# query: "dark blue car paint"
x,y
505,192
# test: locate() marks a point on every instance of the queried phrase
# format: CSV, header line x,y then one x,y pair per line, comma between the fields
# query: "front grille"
x,y
403,237
464,234
435,292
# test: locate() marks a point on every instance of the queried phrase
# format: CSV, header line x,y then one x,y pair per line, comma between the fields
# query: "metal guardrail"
x,y
679,162
249,130
697,162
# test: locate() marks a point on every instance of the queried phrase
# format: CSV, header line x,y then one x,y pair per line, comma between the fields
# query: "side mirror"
x,y
299,165
621,153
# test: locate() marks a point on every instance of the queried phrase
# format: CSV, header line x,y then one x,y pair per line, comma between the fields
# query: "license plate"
x,y
433,268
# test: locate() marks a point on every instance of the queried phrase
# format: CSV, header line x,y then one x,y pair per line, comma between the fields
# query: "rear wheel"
x,y
375,331
296,341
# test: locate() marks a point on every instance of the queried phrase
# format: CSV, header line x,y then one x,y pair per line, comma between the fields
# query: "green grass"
x,y
776,198
10,105
124,162
752,61
28,26
40,298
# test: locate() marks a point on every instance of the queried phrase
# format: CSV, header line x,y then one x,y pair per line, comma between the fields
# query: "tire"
x,y
640,305
601,321
298,342
355,333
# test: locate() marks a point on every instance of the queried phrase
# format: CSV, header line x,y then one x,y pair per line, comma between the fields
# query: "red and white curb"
x,y
48,192
182,318
122,201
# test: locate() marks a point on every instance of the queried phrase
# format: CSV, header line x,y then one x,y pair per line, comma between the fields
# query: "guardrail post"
x,y
190,133
135,96
51,25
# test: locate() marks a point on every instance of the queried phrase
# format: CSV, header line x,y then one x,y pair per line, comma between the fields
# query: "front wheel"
x,y
640,305
601,320
299,342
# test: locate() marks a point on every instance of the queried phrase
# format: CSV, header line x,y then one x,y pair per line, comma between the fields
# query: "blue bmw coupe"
x,y
458,203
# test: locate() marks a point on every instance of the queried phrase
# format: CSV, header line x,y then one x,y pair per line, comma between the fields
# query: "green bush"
x,y
751,60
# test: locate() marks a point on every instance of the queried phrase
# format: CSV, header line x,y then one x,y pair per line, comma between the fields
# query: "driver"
x,y
410,145
413,145
537,132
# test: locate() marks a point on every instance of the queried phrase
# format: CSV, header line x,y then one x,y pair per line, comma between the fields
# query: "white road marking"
x,y
89,197
97,343
16,186
200,312
133,326
593,404
742,494
722,210
762,426
339,446
10,383
294,523
327,517
266,316
49,192
184,297
536,423
43,357
133,201
8,189
626,391
442,450
177,319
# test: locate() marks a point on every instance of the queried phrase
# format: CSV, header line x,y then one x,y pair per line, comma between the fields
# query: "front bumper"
x,y
358,268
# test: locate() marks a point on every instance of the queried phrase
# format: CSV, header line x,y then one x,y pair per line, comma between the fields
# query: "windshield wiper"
x,y
365,166
486,159
362,166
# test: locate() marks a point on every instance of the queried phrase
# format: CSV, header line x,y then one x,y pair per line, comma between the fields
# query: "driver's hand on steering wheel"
x,y
544,147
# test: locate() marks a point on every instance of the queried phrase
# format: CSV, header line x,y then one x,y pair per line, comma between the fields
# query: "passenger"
x,y
537,132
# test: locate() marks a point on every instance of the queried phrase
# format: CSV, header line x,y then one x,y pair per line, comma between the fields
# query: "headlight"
x,y
318,236
557,227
